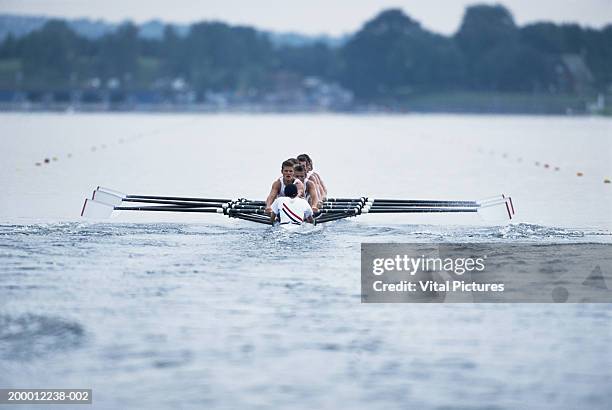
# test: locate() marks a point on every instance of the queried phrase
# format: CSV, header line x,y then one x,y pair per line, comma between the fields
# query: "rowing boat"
x,y
105,201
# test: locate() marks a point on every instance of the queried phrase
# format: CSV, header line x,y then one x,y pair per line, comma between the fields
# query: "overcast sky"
x,y
309,16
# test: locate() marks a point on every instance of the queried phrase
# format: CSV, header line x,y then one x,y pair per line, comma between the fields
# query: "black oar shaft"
x,y
331,217
166,209
389,210
345,199
245,211
178,198
252,218
401,201
170,202
418,210
421,201
424,203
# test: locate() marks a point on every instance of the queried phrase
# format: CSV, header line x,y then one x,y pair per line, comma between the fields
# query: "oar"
x,y
253,218
419,202
396,210
170,198
404,201
177,203
100,210
415,210
331,217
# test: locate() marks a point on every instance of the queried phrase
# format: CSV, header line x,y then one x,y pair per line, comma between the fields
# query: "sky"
x,y
332,17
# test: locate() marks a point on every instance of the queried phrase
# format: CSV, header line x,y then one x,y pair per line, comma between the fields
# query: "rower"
x,y
310,188
306,161
291,209
278,186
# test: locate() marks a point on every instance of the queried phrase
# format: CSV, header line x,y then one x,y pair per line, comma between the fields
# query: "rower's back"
x,y
291,209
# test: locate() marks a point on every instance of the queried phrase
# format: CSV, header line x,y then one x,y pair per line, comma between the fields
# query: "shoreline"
x,y
426,103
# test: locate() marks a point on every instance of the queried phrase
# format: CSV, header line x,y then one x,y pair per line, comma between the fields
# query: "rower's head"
x,y
305,161
291,190
299,172
287,170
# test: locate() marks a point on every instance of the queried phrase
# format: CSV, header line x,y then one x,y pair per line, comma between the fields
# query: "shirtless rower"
x,y
278,186
310,188
291,209
306,161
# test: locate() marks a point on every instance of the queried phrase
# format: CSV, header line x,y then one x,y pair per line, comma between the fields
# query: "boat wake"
x,y
347,230
510,232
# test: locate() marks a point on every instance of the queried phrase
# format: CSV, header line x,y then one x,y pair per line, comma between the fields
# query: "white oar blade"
x,y
497,200
497,212
96,210
111,191
106,197
494,198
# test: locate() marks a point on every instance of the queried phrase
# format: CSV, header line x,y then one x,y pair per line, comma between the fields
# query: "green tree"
x,y
484,28
50,56
392,57
222,57
316,59
118,52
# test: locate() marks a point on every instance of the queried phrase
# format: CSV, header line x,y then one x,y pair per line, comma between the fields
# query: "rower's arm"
x,y
274,211
272,196
322,184
308,215
313,201
300,186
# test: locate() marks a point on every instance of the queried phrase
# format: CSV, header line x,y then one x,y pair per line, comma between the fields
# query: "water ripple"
x,y
28,336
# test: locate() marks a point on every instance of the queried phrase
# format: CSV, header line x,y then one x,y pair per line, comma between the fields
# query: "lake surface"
x,y
193,311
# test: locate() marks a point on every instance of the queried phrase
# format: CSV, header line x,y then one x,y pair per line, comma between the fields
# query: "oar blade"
x,y
93,209
500,211
106,197
111,191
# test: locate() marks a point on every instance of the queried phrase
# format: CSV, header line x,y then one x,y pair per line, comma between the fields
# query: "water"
x,y
153,311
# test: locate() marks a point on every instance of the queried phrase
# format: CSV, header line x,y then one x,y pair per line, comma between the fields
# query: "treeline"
x,y
390,58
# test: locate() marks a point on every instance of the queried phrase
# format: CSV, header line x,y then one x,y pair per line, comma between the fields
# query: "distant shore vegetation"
x,y
392,63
